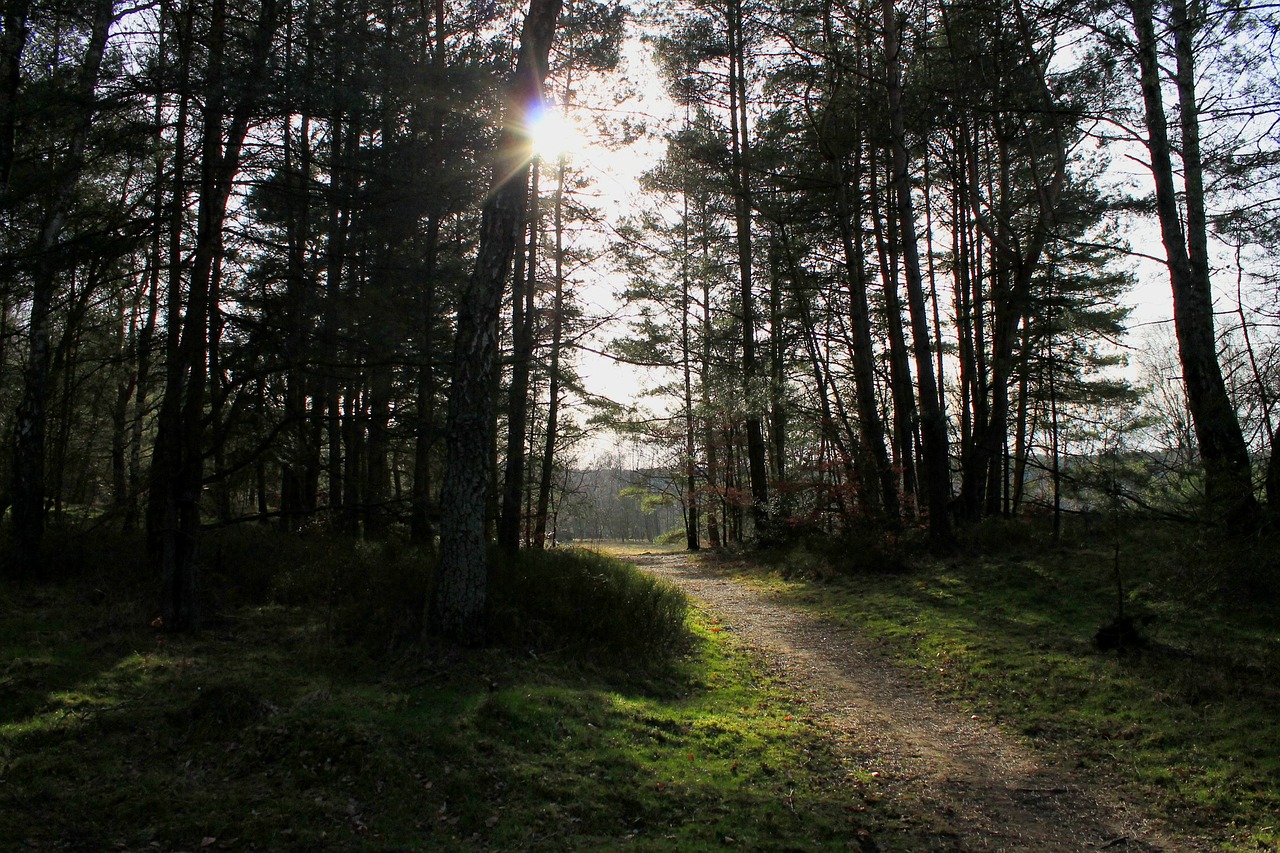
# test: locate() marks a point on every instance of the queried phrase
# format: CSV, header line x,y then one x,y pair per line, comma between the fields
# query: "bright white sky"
x,y
614,175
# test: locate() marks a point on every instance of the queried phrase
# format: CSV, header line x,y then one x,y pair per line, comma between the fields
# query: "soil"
x,y
980,788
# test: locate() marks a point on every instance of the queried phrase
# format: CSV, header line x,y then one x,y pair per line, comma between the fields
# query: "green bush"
x,y
675,536
374,594
854,551
586,600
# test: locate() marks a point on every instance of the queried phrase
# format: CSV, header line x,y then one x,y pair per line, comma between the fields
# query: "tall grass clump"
x,y
585,600
857,550
374,594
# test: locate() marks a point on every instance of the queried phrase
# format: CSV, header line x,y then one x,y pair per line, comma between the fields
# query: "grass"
x,y
308,716
281,728
1188,721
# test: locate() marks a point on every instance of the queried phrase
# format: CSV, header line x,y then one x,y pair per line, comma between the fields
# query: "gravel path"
x,y
985,790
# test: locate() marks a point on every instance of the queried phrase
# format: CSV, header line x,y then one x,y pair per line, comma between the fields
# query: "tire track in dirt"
x,y
982,790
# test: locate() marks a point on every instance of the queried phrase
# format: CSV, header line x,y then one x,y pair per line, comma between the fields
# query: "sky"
x,y
614,174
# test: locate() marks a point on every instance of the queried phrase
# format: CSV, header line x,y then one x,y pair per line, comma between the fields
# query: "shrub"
x,y
853,551
374,594
584,600
674,536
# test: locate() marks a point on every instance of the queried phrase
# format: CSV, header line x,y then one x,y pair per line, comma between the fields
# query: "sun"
x,y
552,135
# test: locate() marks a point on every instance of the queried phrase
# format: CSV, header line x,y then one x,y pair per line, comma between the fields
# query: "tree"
x,y
177,468
458,600
1184,234
932,421
28,488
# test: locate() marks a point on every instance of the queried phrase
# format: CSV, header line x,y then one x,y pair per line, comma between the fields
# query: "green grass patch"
x,y
274,730
1187,721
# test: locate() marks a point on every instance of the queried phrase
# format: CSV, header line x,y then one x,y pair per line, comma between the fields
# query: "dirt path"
x,y
984,790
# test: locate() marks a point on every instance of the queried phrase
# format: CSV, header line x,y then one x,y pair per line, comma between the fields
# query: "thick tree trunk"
x,y
1223,451
458,599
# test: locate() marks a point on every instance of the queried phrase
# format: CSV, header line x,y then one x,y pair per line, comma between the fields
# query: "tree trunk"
x,y
691,520
13,41
877,482
714,536
554,379
27,491
1223,451
889,250
870,425
510,523
933,425
377,471
756,455
421,529
177,471
458,600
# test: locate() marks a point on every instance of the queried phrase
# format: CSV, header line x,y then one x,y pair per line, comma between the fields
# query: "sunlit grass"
x,y
632,548
1187,722
267,732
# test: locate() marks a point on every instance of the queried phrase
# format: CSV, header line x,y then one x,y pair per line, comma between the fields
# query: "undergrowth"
x,y
285,726
373,594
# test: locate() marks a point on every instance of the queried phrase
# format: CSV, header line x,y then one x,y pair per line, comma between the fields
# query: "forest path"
x,y
981,789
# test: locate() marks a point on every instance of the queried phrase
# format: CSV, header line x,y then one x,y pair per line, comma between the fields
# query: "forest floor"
x,y
825,697
987,789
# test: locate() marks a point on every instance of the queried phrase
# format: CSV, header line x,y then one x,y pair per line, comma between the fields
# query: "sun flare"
x,y
552,135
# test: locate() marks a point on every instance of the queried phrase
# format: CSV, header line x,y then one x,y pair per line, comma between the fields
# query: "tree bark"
x,y
740,149
691,519
870,425
421,530
1223,451
458,599
554,380
889,251
879,485
522,291
13,41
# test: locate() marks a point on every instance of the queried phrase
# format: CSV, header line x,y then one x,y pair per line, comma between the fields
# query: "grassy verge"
x,y
1188,721
279,729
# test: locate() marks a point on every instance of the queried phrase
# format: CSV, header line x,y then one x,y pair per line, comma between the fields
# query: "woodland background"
x,y
883,271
